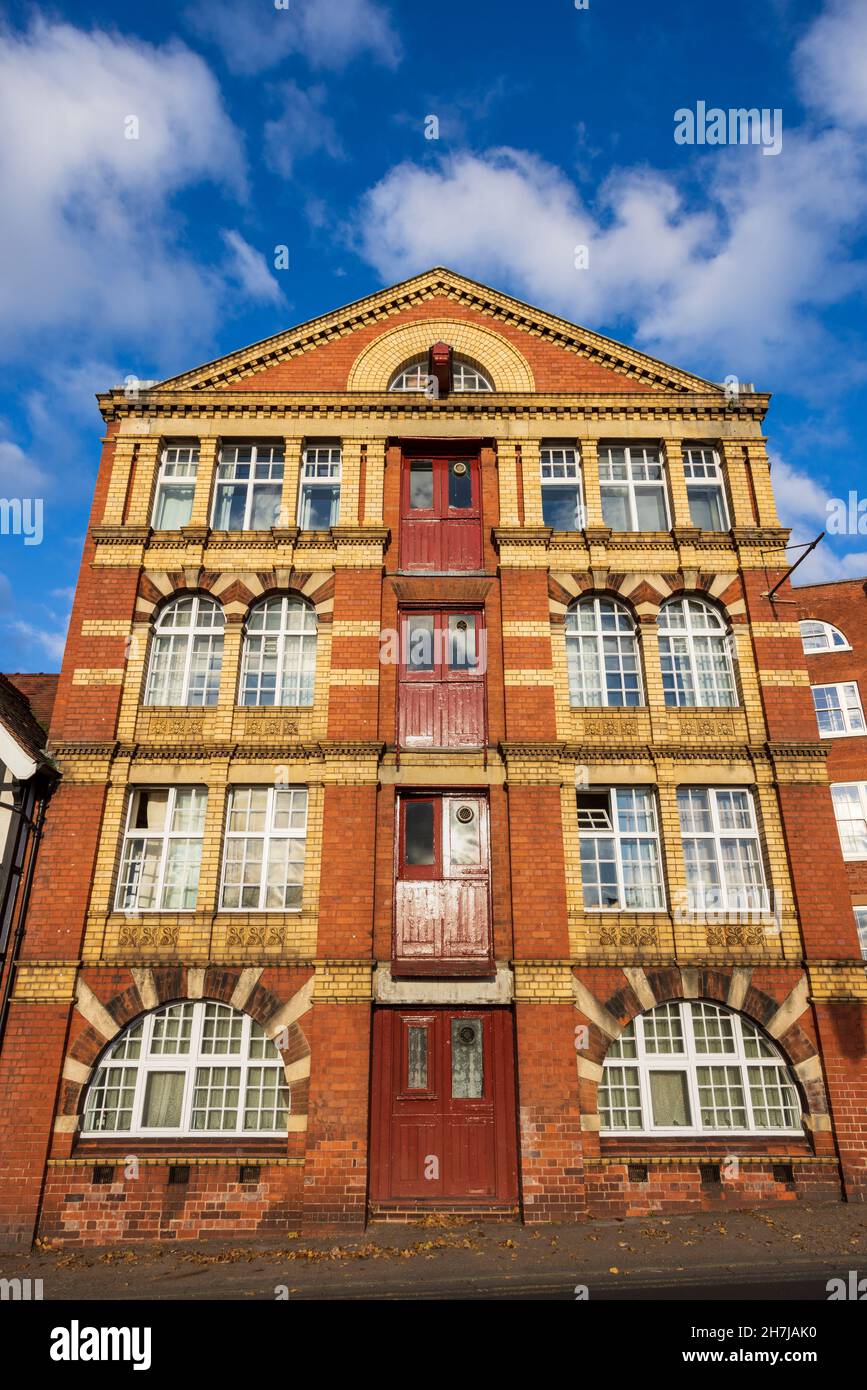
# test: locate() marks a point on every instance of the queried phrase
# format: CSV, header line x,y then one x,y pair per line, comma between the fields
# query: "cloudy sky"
x,y
302,123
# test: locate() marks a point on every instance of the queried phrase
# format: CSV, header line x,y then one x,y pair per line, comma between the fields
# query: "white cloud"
x,y
19,475
250,269
254,36
301,129
737,285
802,505
87,222
831,63
52,642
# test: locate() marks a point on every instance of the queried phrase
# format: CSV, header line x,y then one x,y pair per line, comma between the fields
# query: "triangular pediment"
x,y
438,297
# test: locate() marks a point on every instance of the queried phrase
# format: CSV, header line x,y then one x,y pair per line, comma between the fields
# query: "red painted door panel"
x,y
441,519
441,694
442,916
443,1106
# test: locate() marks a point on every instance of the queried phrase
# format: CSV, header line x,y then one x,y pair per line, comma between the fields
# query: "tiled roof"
x,y
22,699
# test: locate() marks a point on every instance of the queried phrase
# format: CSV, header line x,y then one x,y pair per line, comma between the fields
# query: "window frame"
x,y
189,1064
269,836
846,710
849,857
717,836
311,480
167,836
828,630
711,482
172,637
693,636
551,484
860,910
418,367
247,670
629,484
575,639
688,1062
166,481
251,483
613,831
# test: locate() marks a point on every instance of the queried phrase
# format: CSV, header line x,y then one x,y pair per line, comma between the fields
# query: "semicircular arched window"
x,y
602,654
278,664
186,653
696,1068
194,1068
817,636
695,650
415,376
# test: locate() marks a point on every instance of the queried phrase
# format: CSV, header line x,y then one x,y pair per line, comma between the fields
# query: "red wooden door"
x,y
441,519
443,1106
441,695
442,916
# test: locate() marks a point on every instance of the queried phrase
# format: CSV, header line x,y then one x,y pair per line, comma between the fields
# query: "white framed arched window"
x,y
278,664
696,1068
415,376
817,636
602,656
193,1068
186,654
695,650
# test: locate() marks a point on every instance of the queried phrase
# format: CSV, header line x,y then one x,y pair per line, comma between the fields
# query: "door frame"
x,y
385,1035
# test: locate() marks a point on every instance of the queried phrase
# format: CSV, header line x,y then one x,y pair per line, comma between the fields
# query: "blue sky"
x,y
304,126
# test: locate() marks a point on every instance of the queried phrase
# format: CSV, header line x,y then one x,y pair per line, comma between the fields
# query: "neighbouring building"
x,y
27,779
834,634
444,824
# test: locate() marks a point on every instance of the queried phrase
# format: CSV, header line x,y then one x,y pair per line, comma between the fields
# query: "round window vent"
x,y
467,1035
465,814
460,469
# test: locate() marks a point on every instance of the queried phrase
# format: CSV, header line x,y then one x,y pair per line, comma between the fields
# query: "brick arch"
x,y
646,593
236,592
153,987
506,368
719,986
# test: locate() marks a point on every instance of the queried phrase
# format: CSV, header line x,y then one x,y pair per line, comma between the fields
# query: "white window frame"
x,y
703,472
644,468
696,641
744,1036
719,898
847,706
133,1072
196,638
860,789
265,471
861,927
321,469
271,835
601,825
167,837
560,471
295,685
415,376
604,643
179,467
827,631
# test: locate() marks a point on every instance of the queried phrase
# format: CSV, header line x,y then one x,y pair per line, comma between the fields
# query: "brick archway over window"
x,y
732,988
646,594
152,987
236,592
501,362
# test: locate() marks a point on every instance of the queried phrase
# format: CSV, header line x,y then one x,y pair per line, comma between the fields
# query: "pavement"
x,y
783,1252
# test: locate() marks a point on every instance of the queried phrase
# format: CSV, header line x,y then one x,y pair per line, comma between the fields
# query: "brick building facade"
x,y
444,824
